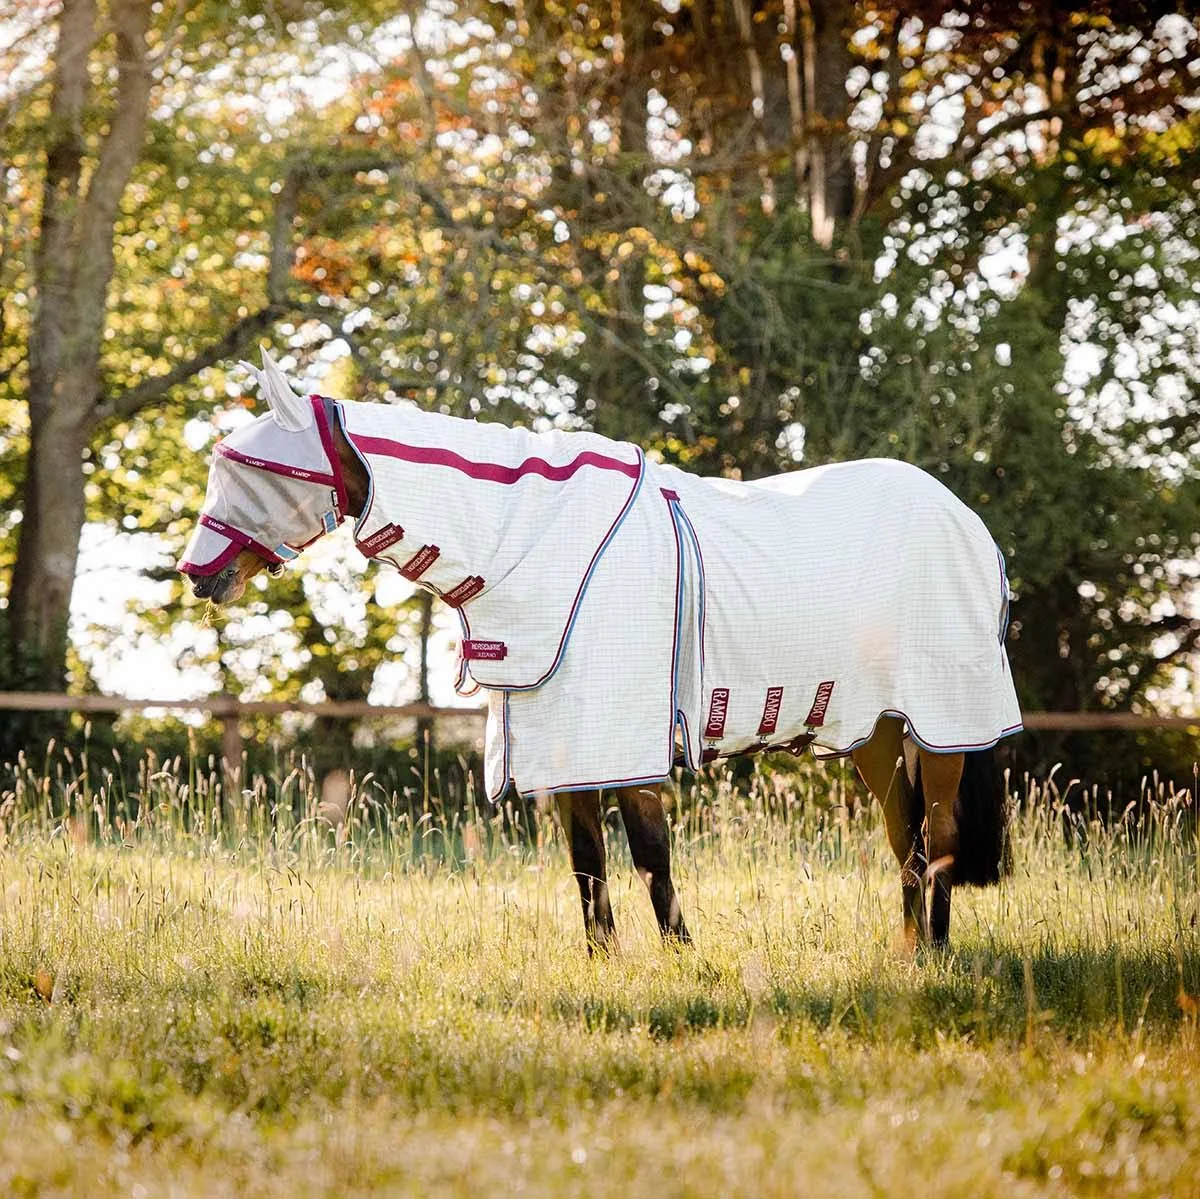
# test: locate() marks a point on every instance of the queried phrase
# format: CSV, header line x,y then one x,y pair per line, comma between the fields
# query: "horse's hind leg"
x,y
581,818
650,846
880,763
941,775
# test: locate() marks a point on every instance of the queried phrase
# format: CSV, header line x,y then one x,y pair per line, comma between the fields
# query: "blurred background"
x,y
750,235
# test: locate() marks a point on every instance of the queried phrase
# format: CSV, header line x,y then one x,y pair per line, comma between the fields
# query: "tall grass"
x,y
277,989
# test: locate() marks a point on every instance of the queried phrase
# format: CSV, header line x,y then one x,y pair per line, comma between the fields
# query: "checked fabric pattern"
x,y
624,615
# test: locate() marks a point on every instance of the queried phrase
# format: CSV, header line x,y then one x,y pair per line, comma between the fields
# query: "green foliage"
x,y
557,217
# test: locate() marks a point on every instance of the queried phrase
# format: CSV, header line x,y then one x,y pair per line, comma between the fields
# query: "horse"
x,y
624,617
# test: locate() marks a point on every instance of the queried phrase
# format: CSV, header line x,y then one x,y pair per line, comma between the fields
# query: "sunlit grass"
x,y
268,993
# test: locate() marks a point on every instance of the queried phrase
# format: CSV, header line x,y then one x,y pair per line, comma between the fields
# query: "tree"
x,y
96,142
740,233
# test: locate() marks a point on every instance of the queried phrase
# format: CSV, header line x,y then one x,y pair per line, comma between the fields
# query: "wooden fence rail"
x,y
229,710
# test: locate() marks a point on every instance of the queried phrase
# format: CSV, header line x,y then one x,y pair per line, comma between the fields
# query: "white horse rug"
x,y
623,615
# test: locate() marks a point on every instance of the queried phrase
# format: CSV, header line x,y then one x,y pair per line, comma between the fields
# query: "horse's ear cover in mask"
x,y
292,412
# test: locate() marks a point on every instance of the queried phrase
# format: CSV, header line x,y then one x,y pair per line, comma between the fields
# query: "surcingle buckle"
x,y
813,721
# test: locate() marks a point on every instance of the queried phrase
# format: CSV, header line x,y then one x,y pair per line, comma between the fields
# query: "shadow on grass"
x,y
986,995
1007,995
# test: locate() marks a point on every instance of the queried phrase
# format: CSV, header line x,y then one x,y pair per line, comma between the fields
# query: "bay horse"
x,y
625,617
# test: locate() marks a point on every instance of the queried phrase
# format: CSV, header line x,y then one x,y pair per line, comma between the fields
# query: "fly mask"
x,y
275,485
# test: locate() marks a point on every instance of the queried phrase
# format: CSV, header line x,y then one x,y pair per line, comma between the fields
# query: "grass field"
x,y
276,1005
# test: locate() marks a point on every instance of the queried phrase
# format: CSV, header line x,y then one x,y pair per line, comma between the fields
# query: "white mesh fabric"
x,y
264,440
279,512
843,592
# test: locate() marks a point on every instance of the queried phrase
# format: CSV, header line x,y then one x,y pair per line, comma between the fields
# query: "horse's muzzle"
x,y
212,587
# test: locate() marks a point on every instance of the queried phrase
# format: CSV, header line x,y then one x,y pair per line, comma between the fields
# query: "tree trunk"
x,y
758,103
824,25
47,551
73,268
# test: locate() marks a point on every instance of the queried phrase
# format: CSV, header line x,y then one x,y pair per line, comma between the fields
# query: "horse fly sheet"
x,y
623,615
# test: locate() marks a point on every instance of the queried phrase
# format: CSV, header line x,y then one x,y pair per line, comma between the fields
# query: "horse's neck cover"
x,y
503,524
269,490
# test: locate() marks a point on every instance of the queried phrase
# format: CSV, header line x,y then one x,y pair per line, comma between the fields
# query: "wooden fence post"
x,y
231,745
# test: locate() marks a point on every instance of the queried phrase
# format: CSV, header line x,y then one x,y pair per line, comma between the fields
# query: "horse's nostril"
x,y
203,585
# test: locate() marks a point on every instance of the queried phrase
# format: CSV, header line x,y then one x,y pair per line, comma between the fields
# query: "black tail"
x,y
981,813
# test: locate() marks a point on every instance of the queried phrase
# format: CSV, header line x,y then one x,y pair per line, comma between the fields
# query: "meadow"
x,y
274,996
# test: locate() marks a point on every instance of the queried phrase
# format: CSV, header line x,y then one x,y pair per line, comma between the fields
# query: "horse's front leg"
x,y
580,814
650,846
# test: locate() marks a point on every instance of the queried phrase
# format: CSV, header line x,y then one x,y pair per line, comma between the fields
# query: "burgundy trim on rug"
x,y
239,541
491,472
380,540
770,716
321,412
718,710
816,714
468,589
484,651
929,745
218,564
420,562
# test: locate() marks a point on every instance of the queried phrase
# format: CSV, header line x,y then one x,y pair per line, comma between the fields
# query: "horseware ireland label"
x,y
420,562
718,707
467,589
381,539
770,716
484,651
816,714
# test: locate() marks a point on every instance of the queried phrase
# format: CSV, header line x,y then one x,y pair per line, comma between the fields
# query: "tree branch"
x,y
891,106
229,344
235,339
754,74
1188,644
282,256
969,146
369,368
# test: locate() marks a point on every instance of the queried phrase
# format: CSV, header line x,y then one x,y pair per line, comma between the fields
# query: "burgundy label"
x,y
668,494
484,651
381,539
770,716
717,709
420,562
469,588
816,714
